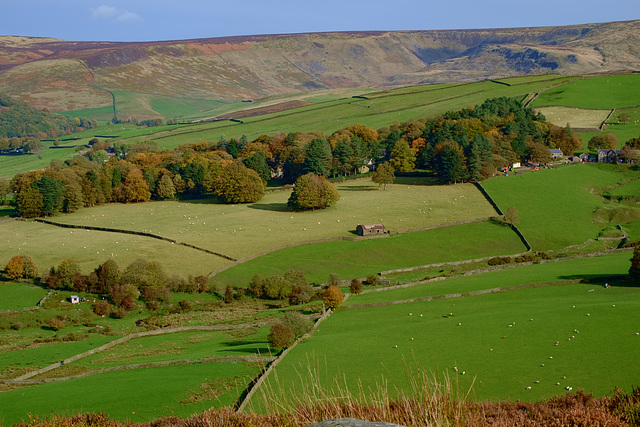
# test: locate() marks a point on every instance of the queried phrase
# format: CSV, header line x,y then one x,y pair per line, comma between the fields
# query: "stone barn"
x,y
366,230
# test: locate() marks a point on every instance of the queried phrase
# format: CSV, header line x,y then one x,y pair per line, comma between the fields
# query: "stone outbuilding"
x,y
366,230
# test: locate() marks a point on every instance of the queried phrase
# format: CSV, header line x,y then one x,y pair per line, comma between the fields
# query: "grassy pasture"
x,y
576,117
149,393
380,109
556,206
11,165
15,296
352,259
591,268
602,92
244,230
598,94
357,348
49,245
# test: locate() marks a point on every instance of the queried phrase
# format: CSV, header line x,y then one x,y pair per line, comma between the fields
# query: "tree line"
x,y
465,145
19,120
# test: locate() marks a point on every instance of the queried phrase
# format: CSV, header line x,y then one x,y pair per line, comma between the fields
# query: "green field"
x,y
357,348
556,206
366,257
238,231
599,93
15,296
149,393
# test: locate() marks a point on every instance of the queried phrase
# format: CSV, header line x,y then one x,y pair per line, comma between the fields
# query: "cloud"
x,y
104,12
127,16
112,13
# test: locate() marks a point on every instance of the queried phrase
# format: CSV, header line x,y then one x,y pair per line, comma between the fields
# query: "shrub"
x,y
228,295
280,336
17,326
299,323
373,280
500,260
185,305
332,297
101,308
119,313
56,323
355,287
300,295
153,305
334,279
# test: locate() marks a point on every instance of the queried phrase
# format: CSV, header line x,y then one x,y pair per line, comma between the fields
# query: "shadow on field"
x,y
359,188
600,279
256,346
274,207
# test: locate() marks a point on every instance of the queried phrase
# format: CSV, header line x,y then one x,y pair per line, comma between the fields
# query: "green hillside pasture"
x,y
603,92
381,109
556,206
142,105
576,117
11,165
357,348
623,131
240,231
49,245
100,114
179,346
137,395
361,258
15,296
592,268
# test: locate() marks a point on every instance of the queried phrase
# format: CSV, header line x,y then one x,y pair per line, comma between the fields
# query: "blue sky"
x,y
147,20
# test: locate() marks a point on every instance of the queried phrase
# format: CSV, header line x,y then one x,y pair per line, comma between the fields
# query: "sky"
x,y
154,20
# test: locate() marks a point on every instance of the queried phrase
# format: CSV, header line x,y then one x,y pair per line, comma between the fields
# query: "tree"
x,y
511,216
384,174
258,162
319,157
634,270
5,188
403,158
239,184
51,190
29,202
228,294
539,153
280,336
449,163
15,268
313,192
65,271
299,323
334,279
609,141
136,189
355,287
29,267
332,297
165,188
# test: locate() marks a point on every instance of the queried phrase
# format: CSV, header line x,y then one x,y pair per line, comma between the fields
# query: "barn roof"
x,y
372,226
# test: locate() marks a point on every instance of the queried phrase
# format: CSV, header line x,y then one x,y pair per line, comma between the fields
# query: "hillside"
x,y
85,75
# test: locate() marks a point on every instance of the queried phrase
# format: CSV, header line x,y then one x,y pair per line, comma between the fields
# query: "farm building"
x,y
556,153
366,230
608,156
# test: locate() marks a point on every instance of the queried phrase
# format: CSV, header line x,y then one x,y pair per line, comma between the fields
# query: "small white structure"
x,y
74,299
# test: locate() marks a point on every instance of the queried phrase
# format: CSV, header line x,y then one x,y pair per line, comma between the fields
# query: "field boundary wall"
x,y
137,233
256,383
495,268
499,211
248,359
132,336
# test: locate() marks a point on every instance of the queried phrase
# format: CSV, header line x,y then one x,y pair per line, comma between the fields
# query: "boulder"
x,y
352,422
